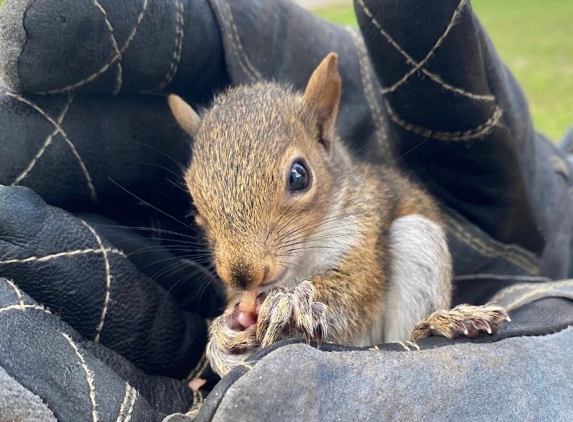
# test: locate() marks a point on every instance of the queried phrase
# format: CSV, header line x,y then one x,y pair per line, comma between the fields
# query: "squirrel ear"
x,y
322,98
184,114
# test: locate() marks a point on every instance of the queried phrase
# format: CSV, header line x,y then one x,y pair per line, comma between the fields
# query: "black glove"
x,y
503,188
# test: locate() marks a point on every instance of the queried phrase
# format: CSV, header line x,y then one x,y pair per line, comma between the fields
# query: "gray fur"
x,y
420,275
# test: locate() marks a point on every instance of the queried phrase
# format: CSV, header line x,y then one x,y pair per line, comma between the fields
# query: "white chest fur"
x,y
419,280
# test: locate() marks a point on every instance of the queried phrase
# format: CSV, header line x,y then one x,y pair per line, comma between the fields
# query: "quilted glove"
x,y
105,301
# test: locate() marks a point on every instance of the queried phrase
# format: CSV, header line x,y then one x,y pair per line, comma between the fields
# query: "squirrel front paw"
x,y
235,335
285,309
229,342
464,320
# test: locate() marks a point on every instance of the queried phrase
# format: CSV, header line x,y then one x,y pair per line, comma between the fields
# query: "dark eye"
x,y
299,178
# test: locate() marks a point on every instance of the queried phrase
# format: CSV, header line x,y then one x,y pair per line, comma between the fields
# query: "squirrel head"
x,y
263,174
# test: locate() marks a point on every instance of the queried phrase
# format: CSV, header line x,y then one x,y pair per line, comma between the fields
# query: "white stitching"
x,y
508,291
123,406
99,327
89,376
438,43
23,308
62,254
538,291
500,277
113,59
473,133
119,80
512,289
135,27
179,36
508,252
511,256
542,289
129,397
447,86
65,136
416,66
46,144
134,397
368,13
244,60
368,84
17,292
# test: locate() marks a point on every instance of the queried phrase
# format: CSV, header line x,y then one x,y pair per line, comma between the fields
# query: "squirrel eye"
x,y
299,178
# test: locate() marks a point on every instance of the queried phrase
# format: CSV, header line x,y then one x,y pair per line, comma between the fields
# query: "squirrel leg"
x,y
464,320
284,309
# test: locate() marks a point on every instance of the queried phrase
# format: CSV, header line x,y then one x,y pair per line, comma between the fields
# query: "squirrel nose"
x,y
248,277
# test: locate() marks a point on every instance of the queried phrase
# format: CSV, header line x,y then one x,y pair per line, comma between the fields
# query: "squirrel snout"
x,y
247,277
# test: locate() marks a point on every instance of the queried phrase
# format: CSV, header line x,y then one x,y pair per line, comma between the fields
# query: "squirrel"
x,y
310,241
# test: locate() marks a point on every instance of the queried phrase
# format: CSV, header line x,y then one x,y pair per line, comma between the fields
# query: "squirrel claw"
x,y
318,338
296,308
307,337
464,320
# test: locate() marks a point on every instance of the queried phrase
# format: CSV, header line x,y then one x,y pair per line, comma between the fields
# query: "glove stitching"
x,y
419,66
107,295
119,77
46,144
179,36
473,133
59,129
368,84
89,376
17,292
112,60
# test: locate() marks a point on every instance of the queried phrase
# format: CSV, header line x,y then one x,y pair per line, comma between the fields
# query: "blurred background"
x,y
534,38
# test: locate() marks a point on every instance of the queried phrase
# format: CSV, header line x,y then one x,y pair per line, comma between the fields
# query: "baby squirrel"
x,y
339,249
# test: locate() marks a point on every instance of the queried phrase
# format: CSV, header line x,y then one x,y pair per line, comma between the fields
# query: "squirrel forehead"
x,y
251,118
244,141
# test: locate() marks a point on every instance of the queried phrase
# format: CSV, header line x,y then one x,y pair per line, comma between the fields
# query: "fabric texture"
x,y
104,299
106,46
77,379
452,381
19,404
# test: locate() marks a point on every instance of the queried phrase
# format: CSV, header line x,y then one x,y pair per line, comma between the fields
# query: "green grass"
x,y
535,39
